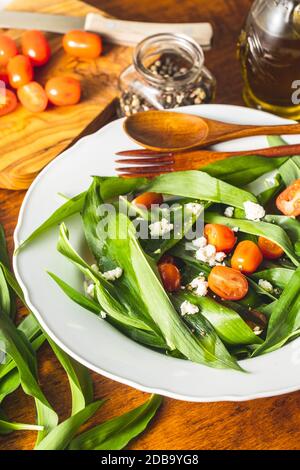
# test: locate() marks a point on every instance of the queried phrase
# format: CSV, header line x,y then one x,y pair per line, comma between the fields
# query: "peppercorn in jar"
x,y
167,72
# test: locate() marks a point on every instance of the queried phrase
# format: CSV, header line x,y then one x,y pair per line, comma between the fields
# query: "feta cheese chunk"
x,y
253,211
200,242
220,256
113,274
229,211
266,285
235,229
160,228
199,286
187,308
103,314
89,288
194,207
206,254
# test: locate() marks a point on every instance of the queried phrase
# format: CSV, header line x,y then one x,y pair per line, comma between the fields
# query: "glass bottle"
x,y
269,52
167,72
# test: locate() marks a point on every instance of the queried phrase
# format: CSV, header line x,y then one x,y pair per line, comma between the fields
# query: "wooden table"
x,y
272,423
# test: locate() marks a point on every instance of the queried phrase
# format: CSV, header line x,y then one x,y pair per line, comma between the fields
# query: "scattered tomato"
x,y
10,103
167,259
33,97
8,49
288,202
269,249
220,236
82,44
170,276
228,283
4,75
246,257
148,199
36,47
63,91
20,71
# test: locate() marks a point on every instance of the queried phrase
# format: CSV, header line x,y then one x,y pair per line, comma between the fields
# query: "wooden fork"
x,y
145,163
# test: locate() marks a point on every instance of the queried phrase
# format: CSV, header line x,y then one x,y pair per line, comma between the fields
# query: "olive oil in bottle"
x,y
269,52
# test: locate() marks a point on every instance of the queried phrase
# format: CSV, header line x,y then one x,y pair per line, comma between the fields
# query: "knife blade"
x,y
115,31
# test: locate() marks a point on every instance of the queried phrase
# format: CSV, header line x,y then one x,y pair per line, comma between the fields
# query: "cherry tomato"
x,y
82,44
10,103
170,276
269,249
36,47
246,257
228,283
20,71
33,97
148,199
8,49
220,236
4,75
288,202
63,91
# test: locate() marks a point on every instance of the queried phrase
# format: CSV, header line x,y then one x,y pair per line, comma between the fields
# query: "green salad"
x,y
221,286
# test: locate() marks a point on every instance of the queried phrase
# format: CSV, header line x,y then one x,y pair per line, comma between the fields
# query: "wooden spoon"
x,y
171,131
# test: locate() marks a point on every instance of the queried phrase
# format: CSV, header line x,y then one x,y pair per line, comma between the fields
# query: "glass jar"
x,y
167,72
269,52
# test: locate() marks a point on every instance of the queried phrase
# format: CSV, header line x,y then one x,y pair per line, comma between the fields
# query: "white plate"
x,y
92,341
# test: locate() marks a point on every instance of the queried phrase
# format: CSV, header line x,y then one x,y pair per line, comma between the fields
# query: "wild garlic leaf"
x,y
285,317
60,437
116,433
278,277
290,170
200,185
7,427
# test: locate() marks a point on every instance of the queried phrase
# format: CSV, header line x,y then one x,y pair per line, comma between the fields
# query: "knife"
x,y
115,31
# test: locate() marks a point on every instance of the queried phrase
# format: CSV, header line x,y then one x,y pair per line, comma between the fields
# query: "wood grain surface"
x,y
29,141
272,423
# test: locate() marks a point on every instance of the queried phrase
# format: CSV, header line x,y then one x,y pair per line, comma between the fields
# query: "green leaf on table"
x,y
60,437
284,322
116,433
15,344
80,381
241,171
7,427
71,207
200,185
270,231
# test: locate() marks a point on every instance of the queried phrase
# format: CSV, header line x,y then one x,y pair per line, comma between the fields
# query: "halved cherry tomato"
x,y
33,97
4,75
63,91
10,103
20,71
170,276
220,236
269,249
8,49
246,257
36,47
288,202
228,283
148,199
82,44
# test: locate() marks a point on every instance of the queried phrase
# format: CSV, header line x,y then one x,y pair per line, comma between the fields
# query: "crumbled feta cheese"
x,y
253,211
103,314
200,242
199,286
257,330
194,207
89,288
229,211
220,256
187,308
113,274
160,228
206,254
266,285
235,229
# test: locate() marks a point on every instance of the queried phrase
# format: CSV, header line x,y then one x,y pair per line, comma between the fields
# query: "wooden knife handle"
x,y
130,33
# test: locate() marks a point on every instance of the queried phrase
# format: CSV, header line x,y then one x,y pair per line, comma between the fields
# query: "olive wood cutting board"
x,y
29,141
